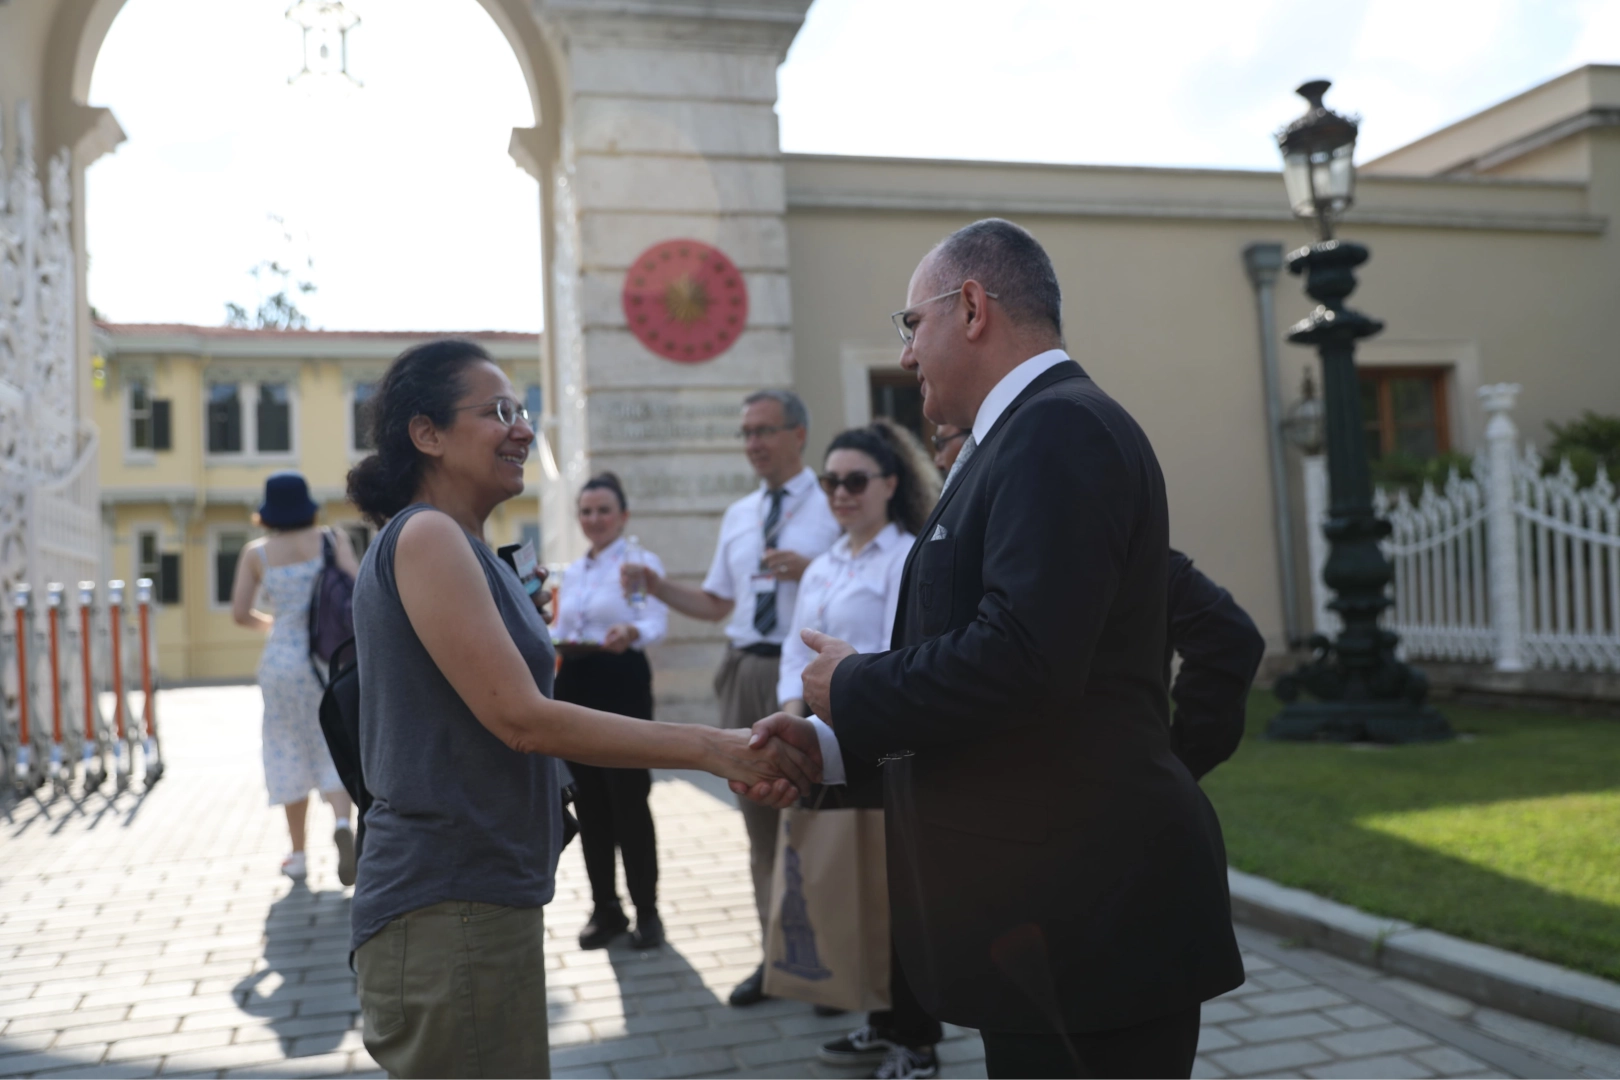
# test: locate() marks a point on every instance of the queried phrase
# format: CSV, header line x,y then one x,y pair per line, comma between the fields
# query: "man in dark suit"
x,y
1058,879
1220,652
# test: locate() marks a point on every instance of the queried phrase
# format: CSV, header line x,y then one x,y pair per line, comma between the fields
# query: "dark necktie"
x,y
765,602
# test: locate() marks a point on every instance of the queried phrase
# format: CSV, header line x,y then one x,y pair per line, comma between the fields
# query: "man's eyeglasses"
x,y
942,441
764,431
854,482
906,319
506,410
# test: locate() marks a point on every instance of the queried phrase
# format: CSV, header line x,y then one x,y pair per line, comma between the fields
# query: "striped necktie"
x,y
765,603
961,459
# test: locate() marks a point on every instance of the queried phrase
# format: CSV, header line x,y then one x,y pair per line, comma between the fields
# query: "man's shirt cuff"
x,y
832,758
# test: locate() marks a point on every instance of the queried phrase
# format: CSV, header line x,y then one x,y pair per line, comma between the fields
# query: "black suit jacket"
x,y
1220,652
1052,864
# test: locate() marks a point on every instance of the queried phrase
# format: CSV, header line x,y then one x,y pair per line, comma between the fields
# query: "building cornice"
x,y
1595,118
157,340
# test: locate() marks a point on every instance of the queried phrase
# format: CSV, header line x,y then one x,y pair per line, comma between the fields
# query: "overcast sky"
x,y
415,217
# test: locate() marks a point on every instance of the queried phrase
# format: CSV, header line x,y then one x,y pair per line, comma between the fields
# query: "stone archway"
x,y
655,122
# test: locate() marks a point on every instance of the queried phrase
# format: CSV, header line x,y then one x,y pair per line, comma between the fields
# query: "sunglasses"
x,y
854,482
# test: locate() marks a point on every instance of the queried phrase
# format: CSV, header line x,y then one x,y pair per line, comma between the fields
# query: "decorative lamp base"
x,y
1359,721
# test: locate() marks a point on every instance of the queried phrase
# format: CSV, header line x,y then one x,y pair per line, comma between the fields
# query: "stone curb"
x,y
1584,1004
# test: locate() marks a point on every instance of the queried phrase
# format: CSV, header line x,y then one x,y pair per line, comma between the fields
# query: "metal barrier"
x,y
56,670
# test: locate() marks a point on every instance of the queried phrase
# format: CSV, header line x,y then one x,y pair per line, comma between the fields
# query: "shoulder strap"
x,y
328,549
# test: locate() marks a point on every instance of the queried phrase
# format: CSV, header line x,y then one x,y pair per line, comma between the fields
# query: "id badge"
x,y
763,582
527,567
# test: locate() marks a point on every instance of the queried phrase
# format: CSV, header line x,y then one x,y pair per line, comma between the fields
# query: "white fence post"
x,y
1502,531
1324,620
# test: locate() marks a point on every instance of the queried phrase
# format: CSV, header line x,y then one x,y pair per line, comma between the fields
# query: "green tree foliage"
x,y
1589,441
1410,472
277,308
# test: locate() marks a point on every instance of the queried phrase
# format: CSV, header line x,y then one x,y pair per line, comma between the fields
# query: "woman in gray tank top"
x,y
460,739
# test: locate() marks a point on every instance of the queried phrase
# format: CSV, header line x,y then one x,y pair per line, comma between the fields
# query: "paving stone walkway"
x,y
151,934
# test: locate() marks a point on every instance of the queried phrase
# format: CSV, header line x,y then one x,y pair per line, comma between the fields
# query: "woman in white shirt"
x,y
601,635
881,487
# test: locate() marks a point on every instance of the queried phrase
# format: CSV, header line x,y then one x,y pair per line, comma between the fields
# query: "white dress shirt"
x,y
591,600
807,527
851,597
995,403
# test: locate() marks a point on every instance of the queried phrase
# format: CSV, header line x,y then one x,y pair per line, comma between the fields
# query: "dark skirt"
x,y
616,683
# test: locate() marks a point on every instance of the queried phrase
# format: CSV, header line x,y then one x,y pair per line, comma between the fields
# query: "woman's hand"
x,y
775,773
620,637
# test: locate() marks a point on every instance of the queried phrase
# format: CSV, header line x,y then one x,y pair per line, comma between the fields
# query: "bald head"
x,y
1009,263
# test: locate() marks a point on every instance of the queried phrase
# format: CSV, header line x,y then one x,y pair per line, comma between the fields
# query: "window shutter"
x,y
160,424
168,582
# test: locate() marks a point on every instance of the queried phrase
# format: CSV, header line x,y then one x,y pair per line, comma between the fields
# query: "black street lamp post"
x,y
1362,690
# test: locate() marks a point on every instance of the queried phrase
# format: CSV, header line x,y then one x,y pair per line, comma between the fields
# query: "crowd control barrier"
x,y
78,684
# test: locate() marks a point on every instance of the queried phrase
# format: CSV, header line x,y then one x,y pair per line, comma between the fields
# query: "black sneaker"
x,y
751,991
905,1062
344,839
605,925
863,1046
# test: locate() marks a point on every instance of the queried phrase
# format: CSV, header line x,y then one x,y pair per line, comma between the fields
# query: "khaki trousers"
x,y
457,989
746,687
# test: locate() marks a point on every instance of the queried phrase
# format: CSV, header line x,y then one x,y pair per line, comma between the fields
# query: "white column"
x,y
1323,619
1501,440
670,135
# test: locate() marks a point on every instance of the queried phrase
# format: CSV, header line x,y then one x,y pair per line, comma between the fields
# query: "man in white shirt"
x,y
767,538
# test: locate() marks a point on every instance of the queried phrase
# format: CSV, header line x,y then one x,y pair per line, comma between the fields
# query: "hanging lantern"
x,y
326,25
1317,151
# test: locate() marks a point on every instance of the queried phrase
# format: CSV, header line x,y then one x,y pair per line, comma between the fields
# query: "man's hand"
x,y
795,732
818,676
634,575
785,564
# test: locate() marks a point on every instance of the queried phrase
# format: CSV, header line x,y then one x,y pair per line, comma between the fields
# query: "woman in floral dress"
x,y
280,569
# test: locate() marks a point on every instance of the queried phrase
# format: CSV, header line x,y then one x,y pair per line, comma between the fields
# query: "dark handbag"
x,y
331,610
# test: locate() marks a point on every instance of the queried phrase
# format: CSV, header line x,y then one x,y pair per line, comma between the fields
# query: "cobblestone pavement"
x,y
147,935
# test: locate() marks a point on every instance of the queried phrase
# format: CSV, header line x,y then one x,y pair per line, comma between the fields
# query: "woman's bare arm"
x,y
245,588
446,597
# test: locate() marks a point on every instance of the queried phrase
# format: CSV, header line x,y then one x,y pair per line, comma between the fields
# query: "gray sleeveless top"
x,y
456,814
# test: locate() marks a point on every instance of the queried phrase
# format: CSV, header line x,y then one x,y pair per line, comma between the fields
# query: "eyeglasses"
x,y
942,441
764,431
507,411
854,482
908,330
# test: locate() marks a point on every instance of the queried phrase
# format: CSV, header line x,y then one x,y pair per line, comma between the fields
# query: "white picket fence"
x,y
1509,566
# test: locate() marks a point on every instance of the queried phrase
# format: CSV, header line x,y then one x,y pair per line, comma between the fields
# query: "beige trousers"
x,y
457,989
746,687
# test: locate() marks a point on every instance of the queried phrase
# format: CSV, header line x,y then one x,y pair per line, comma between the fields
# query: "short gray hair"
x,y
793,408
1007,261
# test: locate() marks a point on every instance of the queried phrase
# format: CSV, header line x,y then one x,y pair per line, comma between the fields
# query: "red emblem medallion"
x,y
685,300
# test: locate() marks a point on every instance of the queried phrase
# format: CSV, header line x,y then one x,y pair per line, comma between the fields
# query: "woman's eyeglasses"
x,y
506,410
854,482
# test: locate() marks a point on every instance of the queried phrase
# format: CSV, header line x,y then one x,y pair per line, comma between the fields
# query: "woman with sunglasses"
x,y
460,738
881,486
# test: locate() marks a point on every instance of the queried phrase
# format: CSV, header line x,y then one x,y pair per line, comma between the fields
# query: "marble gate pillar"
x,y
669,275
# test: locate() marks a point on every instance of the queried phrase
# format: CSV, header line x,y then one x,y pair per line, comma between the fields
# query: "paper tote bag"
x,y
828,937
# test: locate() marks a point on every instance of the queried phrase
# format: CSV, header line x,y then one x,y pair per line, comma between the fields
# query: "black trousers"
x,y
1159,1048
611,804
905,1021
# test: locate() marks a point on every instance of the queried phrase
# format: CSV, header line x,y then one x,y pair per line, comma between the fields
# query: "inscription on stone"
x,y
689,486
644,421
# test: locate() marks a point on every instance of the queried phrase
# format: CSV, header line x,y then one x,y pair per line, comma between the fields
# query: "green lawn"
x,y
1509,835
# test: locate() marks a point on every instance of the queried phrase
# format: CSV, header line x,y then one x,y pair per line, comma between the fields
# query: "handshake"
x,y
780,759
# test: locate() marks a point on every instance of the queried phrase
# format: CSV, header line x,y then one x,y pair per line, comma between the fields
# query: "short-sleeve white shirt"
x,y
853,598
808,528
591,599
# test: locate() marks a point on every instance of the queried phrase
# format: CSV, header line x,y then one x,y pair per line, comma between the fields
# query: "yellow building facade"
x,y
194,419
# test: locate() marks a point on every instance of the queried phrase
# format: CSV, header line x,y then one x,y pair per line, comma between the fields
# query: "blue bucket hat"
x,y
286,501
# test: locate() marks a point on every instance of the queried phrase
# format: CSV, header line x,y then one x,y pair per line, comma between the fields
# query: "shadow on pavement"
x,y
305,991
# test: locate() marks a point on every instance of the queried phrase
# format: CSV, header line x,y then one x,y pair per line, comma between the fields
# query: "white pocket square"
x,y
939,533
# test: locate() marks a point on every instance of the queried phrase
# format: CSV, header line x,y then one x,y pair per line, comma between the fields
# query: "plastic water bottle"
x,y
636,555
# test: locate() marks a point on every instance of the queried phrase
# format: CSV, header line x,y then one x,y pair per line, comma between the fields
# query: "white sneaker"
x,y
904,1063
294,866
